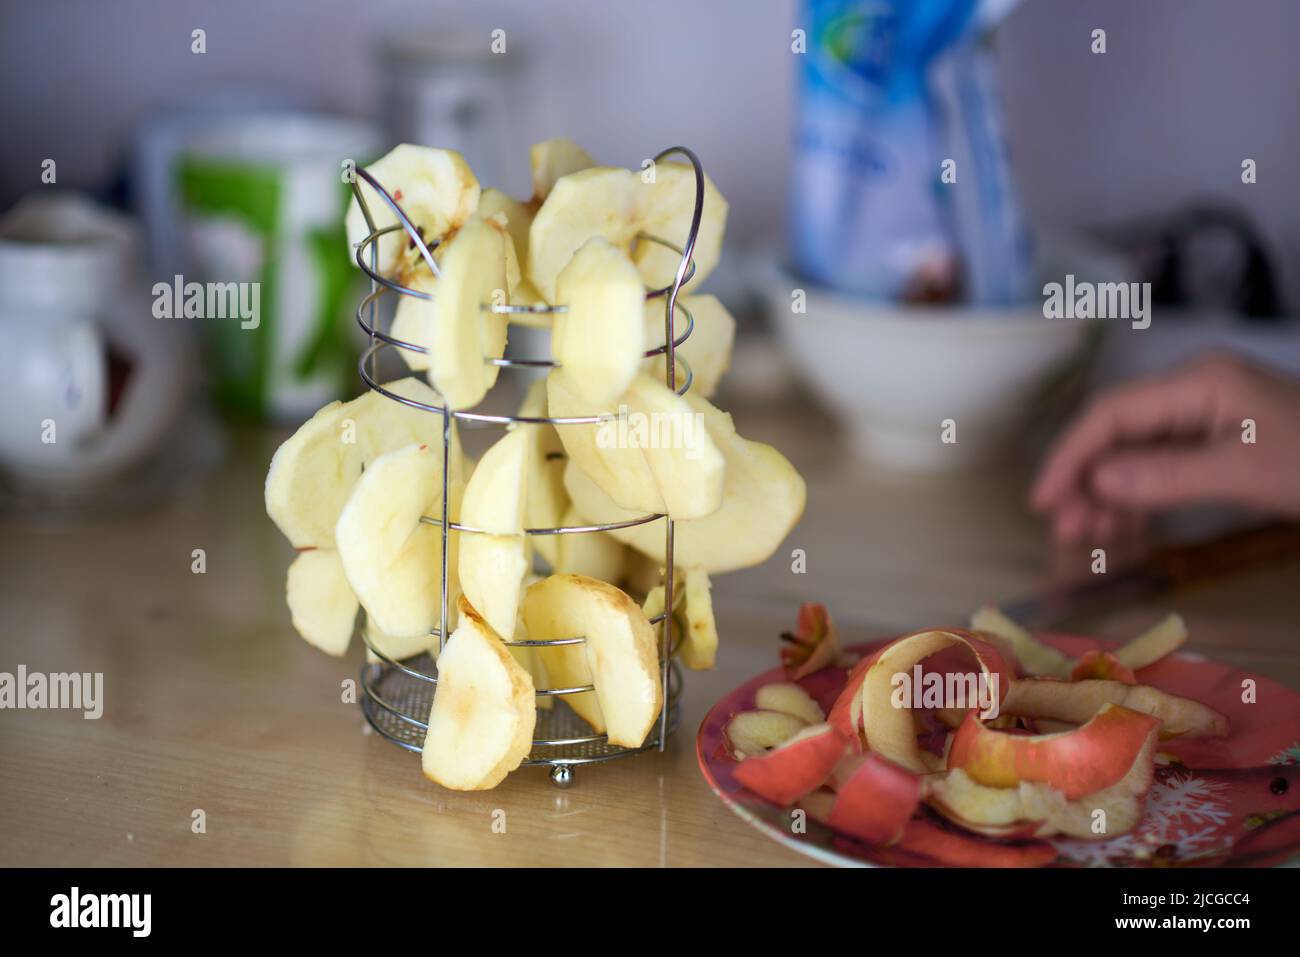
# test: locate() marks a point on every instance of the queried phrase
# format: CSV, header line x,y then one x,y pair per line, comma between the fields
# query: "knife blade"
x,y
1165,570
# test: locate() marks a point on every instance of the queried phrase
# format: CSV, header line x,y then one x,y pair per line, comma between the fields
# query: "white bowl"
x,y
895,374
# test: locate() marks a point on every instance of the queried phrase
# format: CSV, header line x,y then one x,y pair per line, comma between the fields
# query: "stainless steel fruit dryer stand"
x,y
399,694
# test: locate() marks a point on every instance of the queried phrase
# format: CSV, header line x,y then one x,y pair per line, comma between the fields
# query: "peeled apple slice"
x,y
531,658
526,294
654,599
435,188
493,566
459,333
600,201
483,716
414,317
309,481
514,271
312,473
399,648
392,560
321,601
464,334
566,667
620,648
762,499
593,554
695,631
411,324
599,340
707,350
699,645
687,463
623,470
658,455
552,159
664,209
518,220
496,493
547,501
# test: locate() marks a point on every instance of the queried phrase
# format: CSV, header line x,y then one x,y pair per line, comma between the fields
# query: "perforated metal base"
x,y
397,706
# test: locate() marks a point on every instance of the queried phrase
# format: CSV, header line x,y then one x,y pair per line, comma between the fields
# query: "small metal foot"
x,y
562,775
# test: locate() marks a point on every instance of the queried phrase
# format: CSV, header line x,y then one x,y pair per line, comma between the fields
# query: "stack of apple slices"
x,y
358,489
869,767
348,490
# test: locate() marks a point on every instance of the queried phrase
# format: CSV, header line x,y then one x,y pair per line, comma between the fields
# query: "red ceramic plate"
x,y
1230,802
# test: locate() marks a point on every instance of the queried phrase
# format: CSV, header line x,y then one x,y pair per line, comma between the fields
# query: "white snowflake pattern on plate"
x,y
1183,812
1289,755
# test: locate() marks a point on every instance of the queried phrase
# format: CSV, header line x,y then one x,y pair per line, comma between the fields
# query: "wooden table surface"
x,y
212,703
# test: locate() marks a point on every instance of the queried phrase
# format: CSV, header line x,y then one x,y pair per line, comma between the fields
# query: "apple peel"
x,y
1077,701
1079,762
751,733
1037,810
1155,643
796,768
1034,657
876,801
955,849
889,730
1104,665
846,713
814,644
789,698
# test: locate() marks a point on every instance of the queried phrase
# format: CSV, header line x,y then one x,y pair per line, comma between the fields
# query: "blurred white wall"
x,y
1187,89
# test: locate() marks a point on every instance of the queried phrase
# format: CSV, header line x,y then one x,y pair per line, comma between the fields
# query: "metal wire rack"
x,y
398,695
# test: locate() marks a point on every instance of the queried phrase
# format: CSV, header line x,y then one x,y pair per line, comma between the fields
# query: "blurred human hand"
x,y
1175,439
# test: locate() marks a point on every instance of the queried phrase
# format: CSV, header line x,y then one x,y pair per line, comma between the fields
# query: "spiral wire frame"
x,y
398,695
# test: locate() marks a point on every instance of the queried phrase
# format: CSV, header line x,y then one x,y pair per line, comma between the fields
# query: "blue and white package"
x,y
901,185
